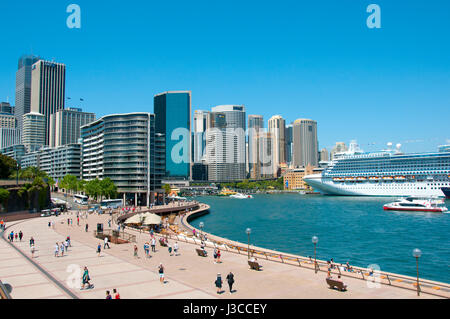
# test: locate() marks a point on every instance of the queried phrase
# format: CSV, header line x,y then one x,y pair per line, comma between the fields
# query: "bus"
x,y
80,199
111,203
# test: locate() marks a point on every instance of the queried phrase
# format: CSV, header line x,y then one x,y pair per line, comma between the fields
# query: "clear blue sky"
x,y
299,59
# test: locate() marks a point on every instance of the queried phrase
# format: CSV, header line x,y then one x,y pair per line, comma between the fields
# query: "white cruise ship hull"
x,y
369,188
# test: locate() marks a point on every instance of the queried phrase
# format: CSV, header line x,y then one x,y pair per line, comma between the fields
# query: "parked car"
x,y
46,213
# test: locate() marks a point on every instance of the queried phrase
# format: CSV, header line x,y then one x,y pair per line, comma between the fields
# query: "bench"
x,y
336,283
201,252
254,265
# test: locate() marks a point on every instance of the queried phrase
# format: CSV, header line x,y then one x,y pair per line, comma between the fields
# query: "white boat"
x,y
241,196
418,204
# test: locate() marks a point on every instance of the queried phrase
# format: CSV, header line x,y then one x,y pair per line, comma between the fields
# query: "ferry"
x,y
226,192
386,173
241,196
418,204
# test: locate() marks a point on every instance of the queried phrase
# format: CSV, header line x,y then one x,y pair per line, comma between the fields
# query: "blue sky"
x,y
299,59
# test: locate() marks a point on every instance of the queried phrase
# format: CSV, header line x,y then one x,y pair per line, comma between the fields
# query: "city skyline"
x,y
376,87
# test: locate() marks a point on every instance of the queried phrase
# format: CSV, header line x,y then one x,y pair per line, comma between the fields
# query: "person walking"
x,y
106,243
215,255
86,279
16,235
99,249
161,273
218,256
146,249
66,245
218,283
20,235
153,244
230,280
87,227
169,248
108,295
135,251
31,241
61,248
116,294
78,220
175,249
56,250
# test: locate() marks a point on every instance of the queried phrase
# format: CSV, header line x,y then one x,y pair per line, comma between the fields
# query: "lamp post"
x,y
315,240
248,231
17,178
201,225
417,253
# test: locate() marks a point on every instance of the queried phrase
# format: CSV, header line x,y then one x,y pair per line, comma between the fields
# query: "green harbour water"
x,y
353,229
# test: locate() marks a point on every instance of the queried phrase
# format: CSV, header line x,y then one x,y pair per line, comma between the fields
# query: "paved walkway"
x,y
188,276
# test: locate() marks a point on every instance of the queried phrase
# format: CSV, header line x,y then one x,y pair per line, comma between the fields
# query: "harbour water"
x,y
353,229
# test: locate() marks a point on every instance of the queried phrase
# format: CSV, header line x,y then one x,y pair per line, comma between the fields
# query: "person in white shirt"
x,y
56,250
106,243
175,248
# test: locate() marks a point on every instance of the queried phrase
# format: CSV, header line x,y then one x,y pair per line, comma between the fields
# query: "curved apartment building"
x,y
125,148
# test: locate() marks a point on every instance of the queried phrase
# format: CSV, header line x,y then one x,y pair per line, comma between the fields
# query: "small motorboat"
x,y
418,204
241,196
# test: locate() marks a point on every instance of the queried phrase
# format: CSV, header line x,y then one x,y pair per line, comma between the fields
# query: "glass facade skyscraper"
x,y
173,119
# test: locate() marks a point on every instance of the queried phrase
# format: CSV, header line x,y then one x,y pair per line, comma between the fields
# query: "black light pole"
x,y
417,253
17,178
248,231
315,240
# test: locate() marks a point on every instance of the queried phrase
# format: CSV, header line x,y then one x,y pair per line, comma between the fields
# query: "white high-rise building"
x,y
47,90
277,126
225,143
33,133
255,128
338,148
201,119
305,143
9,137
65,126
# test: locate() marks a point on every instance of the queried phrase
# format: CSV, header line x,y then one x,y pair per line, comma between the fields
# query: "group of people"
x,y
147,246
2,225
230,281
115,293
61,248
14,236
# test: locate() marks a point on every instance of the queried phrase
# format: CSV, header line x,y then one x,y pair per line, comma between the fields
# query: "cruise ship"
x,y
386,173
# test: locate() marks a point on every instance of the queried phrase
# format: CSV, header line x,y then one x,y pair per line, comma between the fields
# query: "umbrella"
x,y
135,219
151,219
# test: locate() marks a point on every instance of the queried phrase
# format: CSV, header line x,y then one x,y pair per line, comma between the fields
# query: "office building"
x,y
8,120
289,141
23,87
65,126
305,150
33,132
266,157
125,148
338,148
277,127
6,108
199,142
225,143
255,128
173,119
60,161
293,177
15,151
324,157
9,136
47,90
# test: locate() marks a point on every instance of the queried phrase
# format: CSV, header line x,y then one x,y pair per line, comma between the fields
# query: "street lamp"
x,y
17,179
417,253
315,240
248,231
201,230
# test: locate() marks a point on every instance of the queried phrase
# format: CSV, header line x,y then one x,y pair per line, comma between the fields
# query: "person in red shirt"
x,y
116,294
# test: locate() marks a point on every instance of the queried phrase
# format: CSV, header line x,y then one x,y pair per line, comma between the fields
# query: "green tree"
x,y
7,166
167,188
92,188
4,196
107,188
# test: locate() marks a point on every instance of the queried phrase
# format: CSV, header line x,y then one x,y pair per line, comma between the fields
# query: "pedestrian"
x,y
56,250
99,249
32,250
175,248
146,249
31,241
86,279
169,248
218,283
49,224
68,221
87,227
16,235
218,256
106,243
109,223
135,251
20,235
153,244
215,255
108,295
71,222
116,294
230,280
66,245
78,220
62,249
68,241
161,273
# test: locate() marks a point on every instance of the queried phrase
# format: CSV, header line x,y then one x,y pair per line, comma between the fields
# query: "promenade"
x,y
188,276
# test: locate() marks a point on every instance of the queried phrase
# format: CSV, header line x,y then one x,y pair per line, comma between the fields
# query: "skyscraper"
x,y
200,125
173,118
289,140
255,127
47,90
338,148
225,143
65,126
277,128
305,143
33,132
23,87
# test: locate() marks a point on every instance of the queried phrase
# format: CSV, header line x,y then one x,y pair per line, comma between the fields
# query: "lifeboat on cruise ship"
x,y
387,178
361,179
338,179
350,179
374,178
399,178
